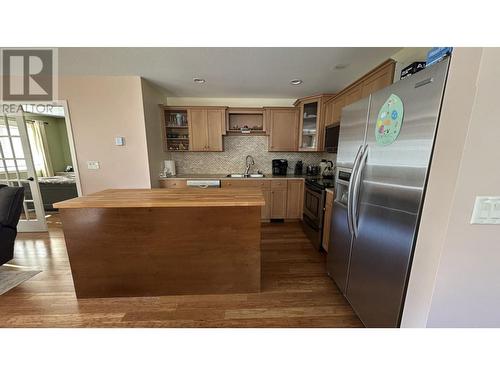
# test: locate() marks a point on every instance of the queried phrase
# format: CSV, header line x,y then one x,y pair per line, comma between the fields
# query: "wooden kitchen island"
x,y
151,242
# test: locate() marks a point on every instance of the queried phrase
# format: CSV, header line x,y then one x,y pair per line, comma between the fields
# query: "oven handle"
x,y
350,222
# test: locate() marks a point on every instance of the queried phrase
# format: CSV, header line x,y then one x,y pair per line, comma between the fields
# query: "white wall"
x,y
152,97
455,280
102,108
467,290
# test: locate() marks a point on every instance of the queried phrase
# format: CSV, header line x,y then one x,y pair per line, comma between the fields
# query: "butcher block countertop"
x,y
188,197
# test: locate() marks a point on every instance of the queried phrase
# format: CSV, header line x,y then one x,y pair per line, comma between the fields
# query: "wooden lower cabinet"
x,y
173,183
284,197
278,203
295,199
327,221
266,210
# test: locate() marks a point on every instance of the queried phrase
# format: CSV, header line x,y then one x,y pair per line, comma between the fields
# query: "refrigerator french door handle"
x,y
355,191
350,222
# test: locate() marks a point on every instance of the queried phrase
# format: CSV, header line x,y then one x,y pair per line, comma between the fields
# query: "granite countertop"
x,y
224,177
133,198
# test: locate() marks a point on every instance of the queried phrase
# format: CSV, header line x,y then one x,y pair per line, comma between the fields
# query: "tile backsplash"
x,y
232,160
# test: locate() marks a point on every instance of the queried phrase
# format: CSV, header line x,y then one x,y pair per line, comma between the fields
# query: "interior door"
x,y
17,169
390,196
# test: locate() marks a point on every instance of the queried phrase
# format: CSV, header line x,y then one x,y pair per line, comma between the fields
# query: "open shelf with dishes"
x,y
245,121
176,129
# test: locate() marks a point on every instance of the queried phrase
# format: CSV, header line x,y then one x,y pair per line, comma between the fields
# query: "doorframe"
x,y
71,141
69,130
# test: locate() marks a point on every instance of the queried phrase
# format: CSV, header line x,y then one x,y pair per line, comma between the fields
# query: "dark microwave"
x,y
332,138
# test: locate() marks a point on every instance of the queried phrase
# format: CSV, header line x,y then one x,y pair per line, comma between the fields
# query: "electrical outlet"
x,y
92,165
486,211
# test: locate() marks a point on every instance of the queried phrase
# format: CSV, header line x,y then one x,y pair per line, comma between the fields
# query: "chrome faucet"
x,y
249,164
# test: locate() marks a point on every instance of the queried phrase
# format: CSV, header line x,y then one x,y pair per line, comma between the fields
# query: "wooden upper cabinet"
x,y
353,95
310,122
338,104
380,77
313,119
378,80
197,120
206,126
283,127
329,109
216,126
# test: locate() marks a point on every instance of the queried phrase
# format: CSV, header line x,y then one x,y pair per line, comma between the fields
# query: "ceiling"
x,y
229,72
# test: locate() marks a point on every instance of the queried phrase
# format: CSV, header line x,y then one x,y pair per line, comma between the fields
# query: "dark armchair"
x,y
11,205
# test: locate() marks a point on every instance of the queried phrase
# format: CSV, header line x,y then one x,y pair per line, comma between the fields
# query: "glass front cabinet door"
x,y
312,122
309,129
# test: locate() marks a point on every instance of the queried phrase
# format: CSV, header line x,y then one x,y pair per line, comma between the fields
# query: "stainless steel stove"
x,y
314,206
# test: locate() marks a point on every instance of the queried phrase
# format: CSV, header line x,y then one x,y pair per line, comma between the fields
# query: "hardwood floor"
x,y
295,292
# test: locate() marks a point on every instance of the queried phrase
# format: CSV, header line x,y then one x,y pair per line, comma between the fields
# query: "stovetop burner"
x,y
322,183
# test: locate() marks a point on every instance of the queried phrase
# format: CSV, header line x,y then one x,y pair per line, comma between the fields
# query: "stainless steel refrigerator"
x,y
385,149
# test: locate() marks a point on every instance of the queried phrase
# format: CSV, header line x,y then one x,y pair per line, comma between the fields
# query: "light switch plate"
x,y
92,165
120,141
486,210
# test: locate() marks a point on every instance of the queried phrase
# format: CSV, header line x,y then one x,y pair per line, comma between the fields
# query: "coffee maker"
x,y
280,167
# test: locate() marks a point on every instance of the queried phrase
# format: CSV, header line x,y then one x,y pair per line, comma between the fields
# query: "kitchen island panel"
x,y
149,251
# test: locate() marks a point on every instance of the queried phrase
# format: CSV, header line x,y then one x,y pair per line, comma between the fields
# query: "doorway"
x,y
37,153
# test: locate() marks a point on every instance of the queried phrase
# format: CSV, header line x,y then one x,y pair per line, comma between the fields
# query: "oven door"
x,y
313,206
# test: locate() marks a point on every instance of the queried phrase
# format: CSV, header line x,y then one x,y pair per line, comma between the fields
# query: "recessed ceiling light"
x,y
296,82
198,80
341,66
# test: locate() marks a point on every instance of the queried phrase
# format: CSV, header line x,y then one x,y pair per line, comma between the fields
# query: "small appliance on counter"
x,y
312,170
280,167
322,166
168,168
328,172
298,168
